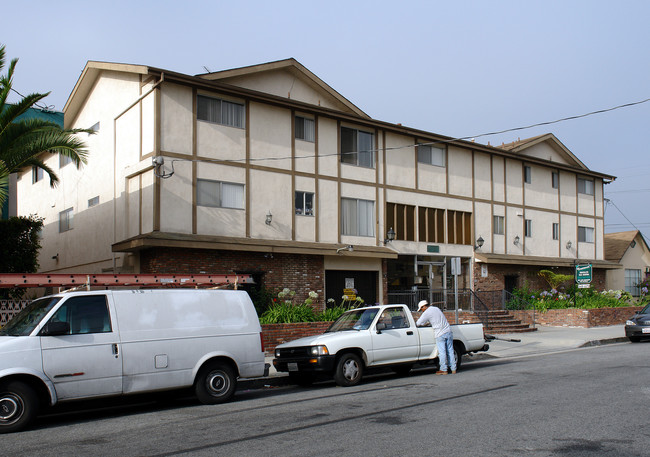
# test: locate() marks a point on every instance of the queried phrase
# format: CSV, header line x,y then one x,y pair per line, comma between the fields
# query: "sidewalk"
x,y
544,340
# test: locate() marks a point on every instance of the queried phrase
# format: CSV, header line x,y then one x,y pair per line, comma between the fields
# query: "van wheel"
x,y
18,406
349,370
216,383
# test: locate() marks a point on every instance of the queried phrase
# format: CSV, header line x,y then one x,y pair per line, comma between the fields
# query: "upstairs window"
x,y
586,234
556,231
305,129
528,228
37,174
217,194
357,147
402,219
585,186
555,180
498,223
527,175
431,155
305,203
220,111
93,202
65,220
357,217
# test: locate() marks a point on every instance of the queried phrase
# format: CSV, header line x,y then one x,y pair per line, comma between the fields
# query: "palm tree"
x,y
23,142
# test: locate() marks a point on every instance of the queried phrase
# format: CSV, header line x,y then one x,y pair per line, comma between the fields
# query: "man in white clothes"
x,y
442,333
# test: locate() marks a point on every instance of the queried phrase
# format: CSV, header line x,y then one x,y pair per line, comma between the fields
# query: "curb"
x,y
620,339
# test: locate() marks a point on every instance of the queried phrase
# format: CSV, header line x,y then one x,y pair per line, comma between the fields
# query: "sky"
x,y
459,68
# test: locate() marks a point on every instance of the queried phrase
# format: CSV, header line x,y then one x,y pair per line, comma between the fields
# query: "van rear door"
x,y
86,360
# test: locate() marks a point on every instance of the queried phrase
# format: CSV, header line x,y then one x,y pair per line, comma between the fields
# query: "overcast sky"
x,y
457,68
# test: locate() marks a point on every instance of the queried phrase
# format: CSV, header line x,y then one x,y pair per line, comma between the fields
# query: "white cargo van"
x,y
100,343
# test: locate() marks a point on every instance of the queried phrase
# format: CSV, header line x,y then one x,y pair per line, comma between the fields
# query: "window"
x,y
64,160
357,147
65,220
394,318
431,224
220,111
498,223
431,155
632,280
305,203
357,217
528,228
586,234
95,128
305,129
219,194
556,231
585,186
459,227
527,175
37,174
555,180
402,219
85,315
93,202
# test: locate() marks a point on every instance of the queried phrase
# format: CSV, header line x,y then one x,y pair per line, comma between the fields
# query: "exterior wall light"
x,y
390,236
269,218
349,247
516,240
479,243
568,244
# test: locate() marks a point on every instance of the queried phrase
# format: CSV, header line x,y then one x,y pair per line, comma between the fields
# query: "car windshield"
x,y
645,310
358,319
24,323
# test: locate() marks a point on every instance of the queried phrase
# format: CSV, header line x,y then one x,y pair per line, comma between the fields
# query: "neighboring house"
x,y
9,208
269,171
631,250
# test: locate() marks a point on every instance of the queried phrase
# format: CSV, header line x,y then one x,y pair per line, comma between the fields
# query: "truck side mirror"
x,y
380,326
55,328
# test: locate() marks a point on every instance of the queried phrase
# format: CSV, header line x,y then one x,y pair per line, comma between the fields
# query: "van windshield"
x,y
358,319
24,323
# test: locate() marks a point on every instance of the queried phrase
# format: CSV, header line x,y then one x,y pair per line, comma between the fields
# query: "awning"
x,y
505,259
189,241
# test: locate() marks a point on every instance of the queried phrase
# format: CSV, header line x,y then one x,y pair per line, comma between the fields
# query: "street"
x,y
583,402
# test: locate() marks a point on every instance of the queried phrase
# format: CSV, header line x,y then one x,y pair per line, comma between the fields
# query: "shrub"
x,y
286,313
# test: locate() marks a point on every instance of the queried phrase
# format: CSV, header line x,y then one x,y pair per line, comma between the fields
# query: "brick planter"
x,y
574,317
275,334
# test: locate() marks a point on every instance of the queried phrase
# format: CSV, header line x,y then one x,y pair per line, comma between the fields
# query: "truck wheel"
x,y
458,355
402,370
349,370
18,406
215,383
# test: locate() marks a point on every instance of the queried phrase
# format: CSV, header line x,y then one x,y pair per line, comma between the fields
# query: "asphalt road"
x,y
584,402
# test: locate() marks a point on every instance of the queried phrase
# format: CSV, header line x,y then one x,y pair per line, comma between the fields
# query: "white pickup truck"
x,y
376,336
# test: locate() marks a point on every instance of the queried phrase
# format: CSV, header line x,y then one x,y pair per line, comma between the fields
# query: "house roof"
x,y
520,146
617,244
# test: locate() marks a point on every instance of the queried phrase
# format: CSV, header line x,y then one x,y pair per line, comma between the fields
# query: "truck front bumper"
x,y
315,364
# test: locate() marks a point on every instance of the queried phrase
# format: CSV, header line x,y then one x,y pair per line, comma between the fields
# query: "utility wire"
x,y
609,201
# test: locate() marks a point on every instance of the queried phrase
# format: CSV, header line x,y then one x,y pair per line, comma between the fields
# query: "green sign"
x,y
583,274
431,248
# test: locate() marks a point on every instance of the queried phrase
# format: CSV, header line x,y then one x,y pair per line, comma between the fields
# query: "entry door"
x,y
86,362
398,342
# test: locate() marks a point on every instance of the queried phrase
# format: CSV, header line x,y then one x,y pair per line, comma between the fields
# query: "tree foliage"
x,y
555,280
23,142
19,244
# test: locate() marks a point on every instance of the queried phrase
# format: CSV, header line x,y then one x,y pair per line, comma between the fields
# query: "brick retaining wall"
x,y
574,317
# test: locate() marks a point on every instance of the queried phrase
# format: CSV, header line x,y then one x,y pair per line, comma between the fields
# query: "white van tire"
x,y
18,406
215,383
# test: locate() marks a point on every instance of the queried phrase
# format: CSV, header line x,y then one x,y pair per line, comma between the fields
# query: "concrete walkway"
x,y
544,340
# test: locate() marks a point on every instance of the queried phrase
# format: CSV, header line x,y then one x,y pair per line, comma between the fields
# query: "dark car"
x,y
638,326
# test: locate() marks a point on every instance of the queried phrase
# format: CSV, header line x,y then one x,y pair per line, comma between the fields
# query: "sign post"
x,y
583,275
455,271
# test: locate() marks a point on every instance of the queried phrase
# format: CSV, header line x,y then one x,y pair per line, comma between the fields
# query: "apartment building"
x,y
267,170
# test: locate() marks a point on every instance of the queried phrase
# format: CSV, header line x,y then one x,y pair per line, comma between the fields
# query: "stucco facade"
x,y
168,176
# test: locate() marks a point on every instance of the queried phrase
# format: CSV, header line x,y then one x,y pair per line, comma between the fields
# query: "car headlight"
x,y
630,323
319,350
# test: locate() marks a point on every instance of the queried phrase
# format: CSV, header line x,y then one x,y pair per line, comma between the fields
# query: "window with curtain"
x,y
305,129
357,217
585,186
305,203
219,194
632,280
220,111
586,234
357,147
498,223
431,155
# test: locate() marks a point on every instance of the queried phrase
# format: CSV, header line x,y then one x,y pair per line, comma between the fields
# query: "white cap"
x,y
421,304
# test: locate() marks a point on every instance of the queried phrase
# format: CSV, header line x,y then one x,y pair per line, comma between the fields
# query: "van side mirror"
x,y
380,326
55,328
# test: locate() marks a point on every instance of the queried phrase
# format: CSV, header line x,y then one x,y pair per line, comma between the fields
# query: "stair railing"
x,y
514,302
